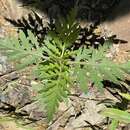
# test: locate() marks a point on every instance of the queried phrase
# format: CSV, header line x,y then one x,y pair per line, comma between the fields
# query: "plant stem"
x,y
78,62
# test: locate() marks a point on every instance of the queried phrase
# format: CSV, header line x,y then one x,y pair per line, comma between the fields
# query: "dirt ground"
x,y
119,22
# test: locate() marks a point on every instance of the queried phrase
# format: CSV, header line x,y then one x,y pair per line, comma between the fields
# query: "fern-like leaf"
x,y
25,51
54,88
67,30
54,76
96,67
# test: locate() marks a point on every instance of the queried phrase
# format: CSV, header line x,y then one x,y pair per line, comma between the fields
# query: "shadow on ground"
x,y
93,10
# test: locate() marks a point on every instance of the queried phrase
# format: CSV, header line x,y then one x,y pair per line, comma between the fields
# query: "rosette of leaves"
x,y
58,65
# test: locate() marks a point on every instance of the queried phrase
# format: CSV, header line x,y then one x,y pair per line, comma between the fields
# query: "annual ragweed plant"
x,y
58,64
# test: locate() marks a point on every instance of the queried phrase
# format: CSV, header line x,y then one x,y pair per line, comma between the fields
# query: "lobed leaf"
x,y
24,50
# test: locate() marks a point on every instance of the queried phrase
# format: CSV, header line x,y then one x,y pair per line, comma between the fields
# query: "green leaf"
x,y
24,40
95,77
125,95
113,125
54,90
51,47
117,114
126,67
98,66
83,80
52,95
67,29
23,50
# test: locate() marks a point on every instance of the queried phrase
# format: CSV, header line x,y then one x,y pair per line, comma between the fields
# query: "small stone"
x,y
1,127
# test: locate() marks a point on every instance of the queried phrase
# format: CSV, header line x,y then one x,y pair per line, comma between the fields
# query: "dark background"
x,y
93,10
